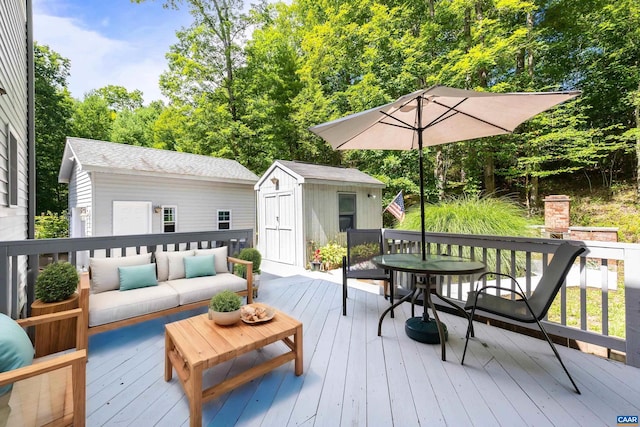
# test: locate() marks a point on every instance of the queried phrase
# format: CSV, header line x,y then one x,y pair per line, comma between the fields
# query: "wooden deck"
x,y
353,377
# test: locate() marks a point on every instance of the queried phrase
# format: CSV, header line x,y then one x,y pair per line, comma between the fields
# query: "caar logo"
x,y
627,420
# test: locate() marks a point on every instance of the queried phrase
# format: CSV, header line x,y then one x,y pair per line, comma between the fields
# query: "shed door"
x,y
279,227
131,218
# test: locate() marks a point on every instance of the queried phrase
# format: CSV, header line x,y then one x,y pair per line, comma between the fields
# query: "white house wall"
x,y
80,192
14,222
197,201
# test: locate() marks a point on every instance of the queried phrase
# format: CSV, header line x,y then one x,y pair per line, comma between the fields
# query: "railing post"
x,y
632,305
5,294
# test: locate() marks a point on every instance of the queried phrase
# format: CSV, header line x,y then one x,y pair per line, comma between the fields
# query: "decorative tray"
x,y
256,313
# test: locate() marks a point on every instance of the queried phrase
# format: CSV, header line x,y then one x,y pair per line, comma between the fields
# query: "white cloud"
x,y
97,60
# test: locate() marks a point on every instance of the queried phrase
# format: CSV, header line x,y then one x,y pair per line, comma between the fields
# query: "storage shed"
x,y
117,189
302,205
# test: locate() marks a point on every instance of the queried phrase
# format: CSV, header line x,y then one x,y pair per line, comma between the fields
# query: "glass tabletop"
x,y
433,264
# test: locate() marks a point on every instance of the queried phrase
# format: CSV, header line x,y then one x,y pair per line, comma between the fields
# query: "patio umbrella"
x,y
436,116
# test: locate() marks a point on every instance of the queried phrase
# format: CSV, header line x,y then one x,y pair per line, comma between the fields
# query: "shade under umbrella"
x,y
436,116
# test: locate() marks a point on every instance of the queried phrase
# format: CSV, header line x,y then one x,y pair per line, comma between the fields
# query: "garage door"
x,y
279,227
131,218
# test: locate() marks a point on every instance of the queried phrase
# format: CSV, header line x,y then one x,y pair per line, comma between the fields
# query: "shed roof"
x,y
103,156
314,172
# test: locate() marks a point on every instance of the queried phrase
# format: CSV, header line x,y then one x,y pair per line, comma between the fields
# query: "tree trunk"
x,y
533,193
439,173
489,175
637,114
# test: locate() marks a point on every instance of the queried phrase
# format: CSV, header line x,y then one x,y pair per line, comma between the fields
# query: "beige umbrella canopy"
x,y
436,116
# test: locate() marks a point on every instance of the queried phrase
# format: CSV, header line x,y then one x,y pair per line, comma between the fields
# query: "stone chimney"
x,y
556,214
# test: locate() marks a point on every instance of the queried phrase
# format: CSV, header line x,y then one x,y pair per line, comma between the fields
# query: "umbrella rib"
x,y
454,108
404,125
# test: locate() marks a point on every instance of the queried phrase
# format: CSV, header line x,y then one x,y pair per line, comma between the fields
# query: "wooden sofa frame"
x,y
84,290
77,360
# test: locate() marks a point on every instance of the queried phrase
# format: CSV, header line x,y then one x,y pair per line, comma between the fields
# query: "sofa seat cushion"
x,y
107,307
202,288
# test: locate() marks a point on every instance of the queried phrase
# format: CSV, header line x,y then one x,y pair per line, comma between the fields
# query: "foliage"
x,y
225,301
331,255
53,111
472,215
52,225
364,252
248,254
57,282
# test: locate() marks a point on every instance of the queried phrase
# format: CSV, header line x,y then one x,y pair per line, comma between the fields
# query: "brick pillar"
x,y
556,214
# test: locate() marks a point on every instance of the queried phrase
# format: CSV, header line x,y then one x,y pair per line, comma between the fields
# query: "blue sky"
x,y
110,41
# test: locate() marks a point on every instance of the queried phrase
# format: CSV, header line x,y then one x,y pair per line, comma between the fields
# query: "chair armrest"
x,y
500,288
51,317
498,274
43,367
249,272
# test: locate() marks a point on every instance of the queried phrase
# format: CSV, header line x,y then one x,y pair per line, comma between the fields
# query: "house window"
x,y
224,220
346,211
12,196
168,219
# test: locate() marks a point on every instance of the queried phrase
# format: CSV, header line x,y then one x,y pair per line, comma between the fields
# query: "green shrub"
x,y
248,254
225,301
331,255
57,282
474,215
364,252
51,225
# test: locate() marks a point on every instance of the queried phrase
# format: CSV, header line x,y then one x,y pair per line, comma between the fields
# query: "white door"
x,y
131,218
279,219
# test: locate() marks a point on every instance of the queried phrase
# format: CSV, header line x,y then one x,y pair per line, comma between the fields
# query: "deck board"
x,y
353,377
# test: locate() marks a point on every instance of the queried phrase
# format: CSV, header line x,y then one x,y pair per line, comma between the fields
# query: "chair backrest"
x,y
362,245
553,278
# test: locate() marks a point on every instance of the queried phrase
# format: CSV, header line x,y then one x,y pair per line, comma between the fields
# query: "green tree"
x,y
53,111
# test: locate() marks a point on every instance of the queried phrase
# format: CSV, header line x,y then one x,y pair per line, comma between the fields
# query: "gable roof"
x,y
110,157
321,173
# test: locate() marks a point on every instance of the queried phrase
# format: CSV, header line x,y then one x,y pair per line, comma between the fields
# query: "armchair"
x,y
52,390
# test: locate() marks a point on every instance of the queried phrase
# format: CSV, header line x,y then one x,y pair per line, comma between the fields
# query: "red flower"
x,y
316,256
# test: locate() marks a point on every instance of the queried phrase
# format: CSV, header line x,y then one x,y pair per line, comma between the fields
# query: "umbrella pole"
x,y
419,130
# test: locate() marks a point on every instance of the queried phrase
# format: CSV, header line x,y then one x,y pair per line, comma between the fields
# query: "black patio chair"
x,y
523,309
362,245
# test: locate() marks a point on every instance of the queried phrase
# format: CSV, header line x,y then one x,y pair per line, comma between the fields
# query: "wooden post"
x,y
632,305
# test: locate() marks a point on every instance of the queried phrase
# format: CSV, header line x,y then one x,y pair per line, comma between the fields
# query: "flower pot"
x,y
224,318
315,265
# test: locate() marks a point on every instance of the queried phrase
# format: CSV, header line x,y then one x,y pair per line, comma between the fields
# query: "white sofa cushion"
x,y
202,288
104,271
107,307
166,258
219,257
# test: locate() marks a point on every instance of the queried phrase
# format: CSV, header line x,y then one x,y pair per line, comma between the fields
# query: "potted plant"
x,y
317,260
224,308
57,282
253,255
55,291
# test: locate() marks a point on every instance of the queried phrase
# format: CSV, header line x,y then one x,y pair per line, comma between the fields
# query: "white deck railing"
x,y
604,266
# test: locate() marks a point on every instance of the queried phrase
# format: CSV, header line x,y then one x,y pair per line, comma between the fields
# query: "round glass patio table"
x,y
432,265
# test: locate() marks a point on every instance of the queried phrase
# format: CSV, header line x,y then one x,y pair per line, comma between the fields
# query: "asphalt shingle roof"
x,y
329,173
109,155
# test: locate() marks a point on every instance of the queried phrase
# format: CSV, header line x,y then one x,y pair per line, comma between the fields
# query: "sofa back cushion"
x,y
219,257
162,262
137,276
104,271
176,264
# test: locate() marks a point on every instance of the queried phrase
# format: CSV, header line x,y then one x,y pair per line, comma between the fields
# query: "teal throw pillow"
x,y
137,276
198,266
16,349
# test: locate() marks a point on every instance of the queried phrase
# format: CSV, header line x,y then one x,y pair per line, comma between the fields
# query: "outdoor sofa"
x,y
121,291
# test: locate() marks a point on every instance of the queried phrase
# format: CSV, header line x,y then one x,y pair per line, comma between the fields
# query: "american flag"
x,y
396,207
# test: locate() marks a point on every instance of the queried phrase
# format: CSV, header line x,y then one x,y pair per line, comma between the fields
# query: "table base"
x,y
425,331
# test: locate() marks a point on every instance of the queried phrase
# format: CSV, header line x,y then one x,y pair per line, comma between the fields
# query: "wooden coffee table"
x,y
195,344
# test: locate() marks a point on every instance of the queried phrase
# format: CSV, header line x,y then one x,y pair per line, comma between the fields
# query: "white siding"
x,y
197,201
80,195
13,115
321,210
